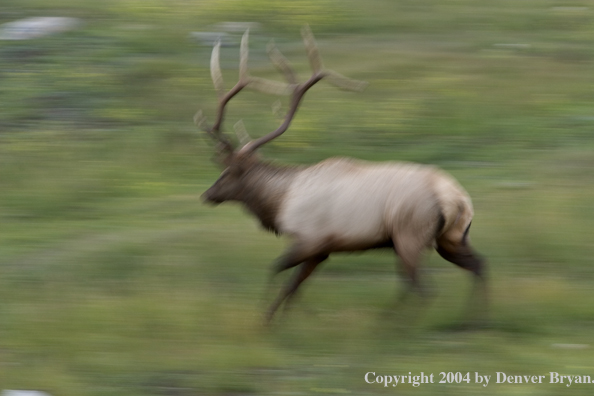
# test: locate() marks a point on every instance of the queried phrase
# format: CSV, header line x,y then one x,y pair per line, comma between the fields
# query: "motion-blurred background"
x,y
116,280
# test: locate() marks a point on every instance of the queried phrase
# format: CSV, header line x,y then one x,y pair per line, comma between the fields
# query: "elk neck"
x,y
264,188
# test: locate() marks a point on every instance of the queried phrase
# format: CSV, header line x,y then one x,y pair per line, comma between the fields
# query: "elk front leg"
x,y
288,292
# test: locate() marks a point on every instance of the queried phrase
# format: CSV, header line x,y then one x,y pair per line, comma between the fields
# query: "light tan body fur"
x,y
343,204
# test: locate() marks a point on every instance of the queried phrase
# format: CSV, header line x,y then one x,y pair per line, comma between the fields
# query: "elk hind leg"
x,y
460,252
409,248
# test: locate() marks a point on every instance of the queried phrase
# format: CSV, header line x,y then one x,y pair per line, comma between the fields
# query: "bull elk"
x,y
339,204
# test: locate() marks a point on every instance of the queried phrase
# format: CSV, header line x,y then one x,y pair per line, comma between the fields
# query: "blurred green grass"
x,y
115,279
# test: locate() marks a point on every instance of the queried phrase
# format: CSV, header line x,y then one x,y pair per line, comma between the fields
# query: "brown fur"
x,y
260,186
265,188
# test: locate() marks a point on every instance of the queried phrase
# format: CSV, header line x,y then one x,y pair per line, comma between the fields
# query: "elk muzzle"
x,y
209,197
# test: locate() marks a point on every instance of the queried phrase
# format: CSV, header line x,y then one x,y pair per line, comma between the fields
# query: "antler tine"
x,y
200,120
270,86
281,63
345,83
215,70
275,87
334,78
243,58
312,49
224,98
242,133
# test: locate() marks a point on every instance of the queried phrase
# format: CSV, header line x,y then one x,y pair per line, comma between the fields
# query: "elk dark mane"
x,y
265,187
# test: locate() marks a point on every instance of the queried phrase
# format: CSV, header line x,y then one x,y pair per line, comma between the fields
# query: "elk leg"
x,y
408,284
291,258
305,271
294,256
409,249
456,249
288,292
465,257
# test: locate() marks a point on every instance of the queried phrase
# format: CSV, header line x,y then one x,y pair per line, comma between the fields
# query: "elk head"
x,y
239,162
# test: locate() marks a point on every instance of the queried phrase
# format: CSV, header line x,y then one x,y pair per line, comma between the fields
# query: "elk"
x,y
339,204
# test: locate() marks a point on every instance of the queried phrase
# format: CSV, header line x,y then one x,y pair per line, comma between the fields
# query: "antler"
x,y
293,88
217,79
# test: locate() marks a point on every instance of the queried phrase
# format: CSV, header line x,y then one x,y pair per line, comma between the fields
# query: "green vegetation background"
x,y
116,280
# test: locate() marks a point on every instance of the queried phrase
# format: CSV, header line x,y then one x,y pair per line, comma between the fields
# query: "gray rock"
x,y
10,392
32,28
